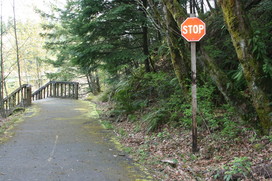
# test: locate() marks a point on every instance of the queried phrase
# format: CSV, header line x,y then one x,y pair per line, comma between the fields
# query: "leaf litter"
x,y
167,152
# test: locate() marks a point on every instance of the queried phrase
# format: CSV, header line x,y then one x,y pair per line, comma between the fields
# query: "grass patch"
x,y
8,124
107,124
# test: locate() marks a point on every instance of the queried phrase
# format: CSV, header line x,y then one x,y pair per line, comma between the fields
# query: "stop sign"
x,y
193,29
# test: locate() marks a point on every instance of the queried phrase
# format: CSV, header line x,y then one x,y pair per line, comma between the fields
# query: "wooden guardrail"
x,y
21,97
58,89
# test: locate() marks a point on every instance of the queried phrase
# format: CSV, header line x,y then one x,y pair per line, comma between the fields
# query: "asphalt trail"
x,y
63,141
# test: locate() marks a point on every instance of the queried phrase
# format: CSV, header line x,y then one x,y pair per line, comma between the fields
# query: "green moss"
x,y
258,147
176,10
107,125
117,144
31,111
240,32
6,129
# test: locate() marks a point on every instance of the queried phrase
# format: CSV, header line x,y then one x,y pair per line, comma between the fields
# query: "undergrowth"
x,y
6,124
155,99
152,119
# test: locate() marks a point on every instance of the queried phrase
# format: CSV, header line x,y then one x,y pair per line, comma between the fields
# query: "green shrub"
x,y
160,99
107,124
230,129
138,90
156,118
240,165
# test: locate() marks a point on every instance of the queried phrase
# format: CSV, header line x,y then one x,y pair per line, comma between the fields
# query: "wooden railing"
x,y
21,97
57,89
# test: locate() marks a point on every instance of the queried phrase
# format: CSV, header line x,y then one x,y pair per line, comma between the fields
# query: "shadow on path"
x,y
64,141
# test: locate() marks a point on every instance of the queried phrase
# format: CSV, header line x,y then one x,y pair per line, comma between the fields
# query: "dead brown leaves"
x,y
168,152
174,145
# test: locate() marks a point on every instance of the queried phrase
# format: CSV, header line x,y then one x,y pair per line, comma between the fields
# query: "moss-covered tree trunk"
x,y
178,51
241,32
145,39
177,58
178,12
93,82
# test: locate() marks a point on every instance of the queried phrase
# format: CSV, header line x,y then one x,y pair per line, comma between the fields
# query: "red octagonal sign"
x,y
193,29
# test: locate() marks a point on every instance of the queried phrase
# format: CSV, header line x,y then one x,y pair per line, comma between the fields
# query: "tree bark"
x,y
202,6
2,58
215,4
209,4
97,82
17,45
5,87
241,32
179,14
89,82
178,50
39,79
178,61
196,6
2,65
145,39
93,82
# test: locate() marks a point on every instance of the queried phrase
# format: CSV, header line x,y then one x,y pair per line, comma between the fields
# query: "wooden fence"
x,y
57,89
21,97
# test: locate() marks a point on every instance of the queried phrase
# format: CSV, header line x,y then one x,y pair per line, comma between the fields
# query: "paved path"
x,y
64,141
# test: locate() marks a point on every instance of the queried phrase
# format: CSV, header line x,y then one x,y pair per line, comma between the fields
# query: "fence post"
x,y
54,89
61,89
65,89
69,91
76,90
51,89
28,95
57,86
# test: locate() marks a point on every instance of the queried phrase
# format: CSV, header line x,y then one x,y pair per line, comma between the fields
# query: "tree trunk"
x,y
39,81
97,83
145,39
177,59
202,6
179,14
93,82
241,32
178,50
2,65
215,4
196,6
209,4
17,45
2,58
6,89
89,82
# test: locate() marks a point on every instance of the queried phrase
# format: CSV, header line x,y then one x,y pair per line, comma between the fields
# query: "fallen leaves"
x,y
168,152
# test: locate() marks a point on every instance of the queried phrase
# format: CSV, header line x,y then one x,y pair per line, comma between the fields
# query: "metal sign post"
x,y
193,29
194,98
